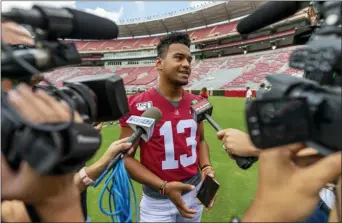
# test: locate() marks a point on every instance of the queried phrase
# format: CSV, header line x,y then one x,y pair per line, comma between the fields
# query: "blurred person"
x,y
238,143
14,35
19,37
55,198
336,213
176,159
249,95
288,192
204,93
260,91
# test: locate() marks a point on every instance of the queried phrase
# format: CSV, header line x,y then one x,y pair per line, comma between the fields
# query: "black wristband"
x,y
204,166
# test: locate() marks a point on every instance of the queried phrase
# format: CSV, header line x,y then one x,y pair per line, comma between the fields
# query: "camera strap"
x,y
32,212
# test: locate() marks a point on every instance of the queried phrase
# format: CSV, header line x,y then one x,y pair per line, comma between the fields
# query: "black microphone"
x,y
143,128
202,110
269,13
65,22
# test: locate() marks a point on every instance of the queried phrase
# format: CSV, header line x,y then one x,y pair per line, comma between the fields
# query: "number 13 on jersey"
x,y
170,161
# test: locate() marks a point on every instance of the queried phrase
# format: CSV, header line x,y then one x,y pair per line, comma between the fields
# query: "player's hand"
x,y
173,190
280,177
116,147
211,173
237,142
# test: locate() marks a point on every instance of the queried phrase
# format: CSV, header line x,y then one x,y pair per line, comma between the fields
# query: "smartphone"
x,y
207,191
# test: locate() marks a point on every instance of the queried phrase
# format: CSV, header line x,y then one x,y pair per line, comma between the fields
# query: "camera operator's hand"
x,y
283,185
237,142
12,33
47,193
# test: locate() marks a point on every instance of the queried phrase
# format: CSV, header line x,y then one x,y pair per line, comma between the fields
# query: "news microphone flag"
x,y
147,124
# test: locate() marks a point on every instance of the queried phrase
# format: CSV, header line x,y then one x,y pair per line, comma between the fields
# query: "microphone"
x,y
269,13
143,128
65,22
202,110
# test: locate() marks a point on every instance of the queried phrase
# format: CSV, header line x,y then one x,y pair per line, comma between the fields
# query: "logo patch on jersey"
x,y
144,105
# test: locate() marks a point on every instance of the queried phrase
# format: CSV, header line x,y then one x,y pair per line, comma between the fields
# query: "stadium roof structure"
x,y
203,17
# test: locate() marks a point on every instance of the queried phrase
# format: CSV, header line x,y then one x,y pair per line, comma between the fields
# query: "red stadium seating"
x,y
252,69
150,42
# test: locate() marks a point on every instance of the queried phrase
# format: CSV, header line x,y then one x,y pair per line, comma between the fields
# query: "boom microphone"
x,y
65,22
143,127
269,13
202,110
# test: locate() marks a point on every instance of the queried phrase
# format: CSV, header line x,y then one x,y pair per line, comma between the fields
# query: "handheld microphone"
x,y
202,110
269,13
143,128
65,22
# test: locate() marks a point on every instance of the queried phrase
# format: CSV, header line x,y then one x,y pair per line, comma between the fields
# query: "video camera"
x,y
62,147
321,58
304,110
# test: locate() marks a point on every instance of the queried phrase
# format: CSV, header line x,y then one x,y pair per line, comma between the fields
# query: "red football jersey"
x,y
172,151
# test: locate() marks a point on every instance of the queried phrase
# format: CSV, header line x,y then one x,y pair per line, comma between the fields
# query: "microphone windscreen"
x,y
89,26
267,14
153,113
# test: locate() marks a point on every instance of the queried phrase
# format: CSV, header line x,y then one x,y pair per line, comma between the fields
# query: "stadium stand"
x,y
219,73
223,59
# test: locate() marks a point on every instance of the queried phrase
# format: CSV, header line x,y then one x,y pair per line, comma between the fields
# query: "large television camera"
x,y
305,109
62,147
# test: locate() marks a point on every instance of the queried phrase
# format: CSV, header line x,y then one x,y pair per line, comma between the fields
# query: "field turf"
x,y
237,186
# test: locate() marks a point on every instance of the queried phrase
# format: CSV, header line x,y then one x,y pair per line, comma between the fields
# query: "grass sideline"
x,y
237,186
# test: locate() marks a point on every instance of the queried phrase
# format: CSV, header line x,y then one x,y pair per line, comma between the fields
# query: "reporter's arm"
x,y
95,170
136,170
204,156
237,142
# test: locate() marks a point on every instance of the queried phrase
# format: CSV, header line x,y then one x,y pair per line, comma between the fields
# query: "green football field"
x,y
237,186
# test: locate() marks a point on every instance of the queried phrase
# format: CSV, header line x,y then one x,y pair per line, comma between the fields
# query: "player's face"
x,y
176,65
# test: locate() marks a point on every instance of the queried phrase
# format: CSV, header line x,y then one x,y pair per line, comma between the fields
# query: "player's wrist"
x,y
162,188
206,167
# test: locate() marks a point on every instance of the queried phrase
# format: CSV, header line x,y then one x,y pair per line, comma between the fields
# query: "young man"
x,y
171,159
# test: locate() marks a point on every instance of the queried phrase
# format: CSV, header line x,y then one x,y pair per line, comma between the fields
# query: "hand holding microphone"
x,y
143,127
202,111
237,142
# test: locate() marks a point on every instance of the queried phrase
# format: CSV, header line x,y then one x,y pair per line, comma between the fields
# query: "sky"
x,y
118,11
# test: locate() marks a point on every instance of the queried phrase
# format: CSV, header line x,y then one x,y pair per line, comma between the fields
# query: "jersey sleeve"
x,y
123,119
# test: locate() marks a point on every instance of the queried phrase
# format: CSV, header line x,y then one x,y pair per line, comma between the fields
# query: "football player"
x,y
175,160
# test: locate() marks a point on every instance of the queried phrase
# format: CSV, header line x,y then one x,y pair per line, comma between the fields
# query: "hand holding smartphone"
x,y
208,191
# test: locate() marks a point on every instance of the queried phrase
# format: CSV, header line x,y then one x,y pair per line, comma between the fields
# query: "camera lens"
x,y
83,99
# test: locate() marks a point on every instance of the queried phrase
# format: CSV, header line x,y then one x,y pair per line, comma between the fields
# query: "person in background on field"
x,y
204,93
260,91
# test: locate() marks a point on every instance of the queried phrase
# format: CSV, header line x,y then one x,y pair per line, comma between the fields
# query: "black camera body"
x,y
304,109
296,110
58,148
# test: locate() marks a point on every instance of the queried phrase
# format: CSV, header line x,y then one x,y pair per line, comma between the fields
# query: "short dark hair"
x,y
175,37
